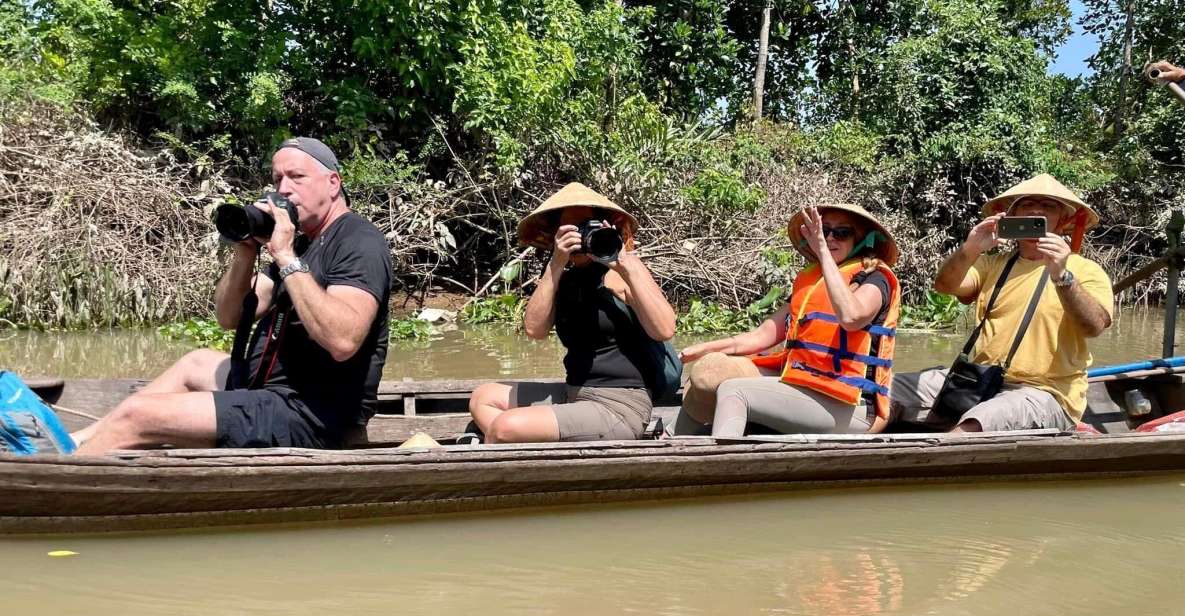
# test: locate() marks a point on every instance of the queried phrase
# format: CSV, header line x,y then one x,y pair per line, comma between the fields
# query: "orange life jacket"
x,y
821,355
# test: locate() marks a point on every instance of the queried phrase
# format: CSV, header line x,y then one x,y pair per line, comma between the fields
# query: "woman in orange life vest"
x,y
838,331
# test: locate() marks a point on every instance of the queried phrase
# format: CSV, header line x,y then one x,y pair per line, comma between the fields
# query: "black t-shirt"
x,y
603,337
340,395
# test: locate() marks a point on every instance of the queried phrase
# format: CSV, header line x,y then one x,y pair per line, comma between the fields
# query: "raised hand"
x,y
1054,252
812,231
983,237
567,242
280,245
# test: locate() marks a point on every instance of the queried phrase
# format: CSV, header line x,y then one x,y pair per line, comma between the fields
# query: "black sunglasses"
x,y
839,233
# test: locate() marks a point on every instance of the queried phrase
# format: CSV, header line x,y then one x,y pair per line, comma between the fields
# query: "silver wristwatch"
x,y
295,266
1066,279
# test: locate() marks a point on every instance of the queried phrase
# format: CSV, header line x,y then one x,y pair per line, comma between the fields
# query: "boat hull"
x,y
180,488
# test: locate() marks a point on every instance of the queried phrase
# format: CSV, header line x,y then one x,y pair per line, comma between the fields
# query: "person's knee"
x,y
510,428
731,389
202,361
488,394
199,370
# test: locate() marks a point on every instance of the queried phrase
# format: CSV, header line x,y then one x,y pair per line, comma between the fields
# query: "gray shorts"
x,y
1016,407
589,413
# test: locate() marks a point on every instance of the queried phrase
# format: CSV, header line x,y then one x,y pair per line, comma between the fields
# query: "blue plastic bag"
x,y
27,425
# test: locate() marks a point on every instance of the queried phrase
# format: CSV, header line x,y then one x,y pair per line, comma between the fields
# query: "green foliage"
x,y
27,68
505,308
724,190
939,311
409,329
201,333
712,318
690,50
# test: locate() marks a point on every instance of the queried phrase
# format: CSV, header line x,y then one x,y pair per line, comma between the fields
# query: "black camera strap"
x,y
281,312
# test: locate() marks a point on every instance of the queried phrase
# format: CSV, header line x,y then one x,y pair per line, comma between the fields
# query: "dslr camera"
x,y
237,223
599,241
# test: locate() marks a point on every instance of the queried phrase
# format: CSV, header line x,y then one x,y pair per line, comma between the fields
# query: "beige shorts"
x,y
589,413
1016,407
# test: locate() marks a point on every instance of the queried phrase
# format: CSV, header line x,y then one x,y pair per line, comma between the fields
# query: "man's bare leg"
x,y
198,371
148,420
201,370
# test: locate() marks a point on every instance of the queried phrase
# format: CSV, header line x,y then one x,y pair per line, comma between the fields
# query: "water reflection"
x,y
481,351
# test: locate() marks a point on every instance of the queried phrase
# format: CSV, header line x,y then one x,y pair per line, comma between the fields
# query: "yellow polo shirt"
x,y
1053,356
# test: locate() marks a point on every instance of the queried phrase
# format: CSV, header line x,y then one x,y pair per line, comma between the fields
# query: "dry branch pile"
x,y
96,232
93,232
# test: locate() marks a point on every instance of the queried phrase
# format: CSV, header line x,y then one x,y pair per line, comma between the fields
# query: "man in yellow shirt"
x,y
1045,385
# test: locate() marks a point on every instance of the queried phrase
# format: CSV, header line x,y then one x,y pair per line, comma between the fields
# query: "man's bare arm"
x,y
952,276
1091,316
337,318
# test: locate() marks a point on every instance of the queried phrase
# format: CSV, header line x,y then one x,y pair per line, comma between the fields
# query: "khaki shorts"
x,y
1016,407
589,413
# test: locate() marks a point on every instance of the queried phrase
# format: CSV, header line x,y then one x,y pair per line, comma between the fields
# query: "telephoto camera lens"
x,y
238,223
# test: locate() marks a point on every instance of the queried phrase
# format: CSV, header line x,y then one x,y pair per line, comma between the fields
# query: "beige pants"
x,y
786,409
1016,407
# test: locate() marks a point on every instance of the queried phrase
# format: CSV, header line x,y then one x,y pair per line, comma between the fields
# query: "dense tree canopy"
x,y
934,105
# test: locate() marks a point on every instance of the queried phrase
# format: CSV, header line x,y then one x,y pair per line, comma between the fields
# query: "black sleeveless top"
x,y
603,337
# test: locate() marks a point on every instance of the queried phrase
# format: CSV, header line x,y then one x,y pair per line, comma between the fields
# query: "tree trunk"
x,y
1125,70
762,53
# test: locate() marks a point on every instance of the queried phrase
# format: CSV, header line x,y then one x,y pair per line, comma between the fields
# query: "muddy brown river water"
x,y
478,352
1077,547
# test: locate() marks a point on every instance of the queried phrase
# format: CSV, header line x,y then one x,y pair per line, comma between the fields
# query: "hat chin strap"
x,y
869,241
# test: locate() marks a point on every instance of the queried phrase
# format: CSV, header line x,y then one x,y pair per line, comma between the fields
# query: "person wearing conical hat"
x,y
607,311
834,367
1044,384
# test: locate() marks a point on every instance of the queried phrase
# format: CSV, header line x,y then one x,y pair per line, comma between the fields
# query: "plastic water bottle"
x,y
1136,404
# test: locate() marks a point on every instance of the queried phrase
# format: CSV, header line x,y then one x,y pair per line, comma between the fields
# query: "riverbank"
x,y
76,255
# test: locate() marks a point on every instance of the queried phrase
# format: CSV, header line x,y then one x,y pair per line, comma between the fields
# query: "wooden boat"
x,y
193,488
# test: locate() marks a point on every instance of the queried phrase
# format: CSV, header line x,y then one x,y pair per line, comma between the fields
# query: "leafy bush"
x,y
724,190
202,333
940,311
505,308
409,329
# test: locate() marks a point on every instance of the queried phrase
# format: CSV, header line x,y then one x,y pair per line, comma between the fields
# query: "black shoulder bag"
x,y
967,383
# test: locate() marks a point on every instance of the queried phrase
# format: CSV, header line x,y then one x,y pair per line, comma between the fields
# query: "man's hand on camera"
x,y
280,246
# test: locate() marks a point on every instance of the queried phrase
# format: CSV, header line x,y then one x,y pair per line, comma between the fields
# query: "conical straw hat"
x,y
886,251
1043,185
537,228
